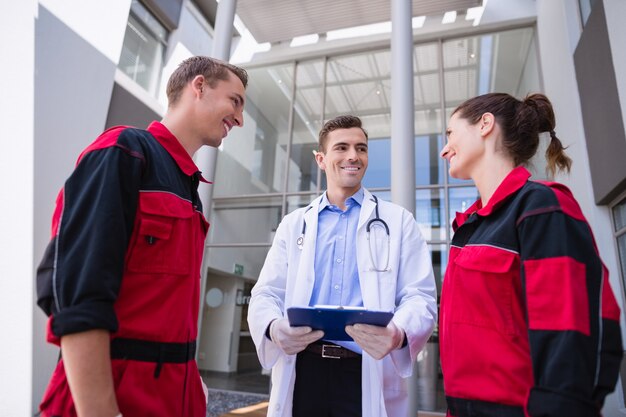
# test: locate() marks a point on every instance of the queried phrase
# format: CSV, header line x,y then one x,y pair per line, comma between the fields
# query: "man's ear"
x,y
487,123
198,85
319,158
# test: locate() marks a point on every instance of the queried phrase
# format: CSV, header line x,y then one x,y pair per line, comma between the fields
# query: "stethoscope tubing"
x,y
375,220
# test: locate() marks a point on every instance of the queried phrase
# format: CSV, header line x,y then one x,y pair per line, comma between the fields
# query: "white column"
x,y
402,127
402,114
206,157
17,43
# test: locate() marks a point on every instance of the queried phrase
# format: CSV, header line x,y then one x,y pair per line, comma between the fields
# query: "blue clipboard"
x,y
333,320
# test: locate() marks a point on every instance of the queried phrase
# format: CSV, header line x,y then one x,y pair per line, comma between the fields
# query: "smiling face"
x,y
465,147
344,159
220,108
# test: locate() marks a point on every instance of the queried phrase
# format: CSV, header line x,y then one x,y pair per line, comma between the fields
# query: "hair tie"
x,y
552,133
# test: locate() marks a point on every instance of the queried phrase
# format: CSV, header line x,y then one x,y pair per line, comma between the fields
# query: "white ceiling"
x,y
282,20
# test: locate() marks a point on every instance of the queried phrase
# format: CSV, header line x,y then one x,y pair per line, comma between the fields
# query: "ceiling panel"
x,y
282,20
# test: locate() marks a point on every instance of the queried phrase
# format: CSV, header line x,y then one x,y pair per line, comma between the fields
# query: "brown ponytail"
x,y
520,122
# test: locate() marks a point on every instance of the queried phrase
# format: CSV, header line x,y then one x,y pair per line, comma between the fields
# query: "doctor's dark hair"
x,y
339,122
521,122
212,69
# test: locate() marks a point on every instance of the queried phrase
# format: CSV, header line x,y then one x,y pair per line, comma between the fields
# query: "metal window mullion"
x,y
289,137
446,188
239,245
323,115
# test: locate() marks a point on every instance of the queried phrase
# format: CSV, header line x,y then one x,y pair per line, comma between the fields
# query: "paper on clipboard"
x,y
333,319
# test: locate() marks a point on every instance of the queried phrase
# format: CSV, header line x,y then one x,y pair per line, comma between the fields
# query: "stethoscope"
x,y
375,222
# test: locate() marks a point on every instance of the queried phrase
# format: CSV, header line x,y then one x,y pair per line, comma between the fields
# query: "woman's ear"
x,y
487,123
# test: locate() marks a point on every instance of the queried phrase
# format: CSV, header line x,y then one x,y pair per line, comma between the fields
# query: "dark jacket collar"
x,y
513,182
175,149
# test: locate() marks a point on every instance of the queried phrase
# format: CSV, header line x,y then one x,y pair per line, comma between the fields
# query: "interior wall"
x,y
555,33
219,338
73,84
17,21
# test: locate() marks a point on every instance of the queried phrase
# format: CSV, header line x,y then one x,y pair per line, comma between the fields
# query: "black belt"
x,y
330,351
148,351
462,408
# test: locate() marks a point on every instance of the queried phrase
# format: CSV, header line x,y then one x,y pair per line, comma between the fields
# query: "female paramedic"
x,y
529,325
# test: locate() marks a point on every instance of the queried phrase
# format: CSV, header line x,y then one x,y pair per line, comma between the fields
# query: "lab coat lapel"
x,y
306,267
367,208
367,277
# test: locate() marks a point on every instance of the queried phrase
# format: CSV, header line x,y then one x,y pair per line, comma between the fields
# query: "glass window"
x,y
429,167
429,208
621,247
439,256
252,158
245,262
142,50
498,62
297,201
378,174
426,89
460,199
585,9
245,220
619,223
307,122
619,215
430,213
360,84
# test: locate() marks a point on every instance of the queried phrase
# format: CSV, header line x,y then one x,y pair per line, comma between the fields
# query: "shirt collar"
x,y
511,183
355,198
175,149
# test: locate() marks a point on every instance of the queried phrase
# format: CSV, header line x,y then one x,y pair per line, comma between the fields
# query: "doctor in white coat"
x,y
393,274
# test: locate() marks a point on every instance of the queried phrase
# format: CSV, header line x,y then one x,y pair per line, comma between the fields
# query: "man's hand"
x,y
292,340
377,341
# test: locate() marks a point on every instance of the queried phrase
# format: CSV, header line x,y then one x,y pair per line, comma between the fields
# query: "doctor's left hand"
x,y
292,340
377,341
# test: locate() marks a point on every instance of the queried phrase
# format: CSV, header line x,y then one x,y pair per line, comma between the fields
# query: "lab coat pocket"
x,y
164,236
484,287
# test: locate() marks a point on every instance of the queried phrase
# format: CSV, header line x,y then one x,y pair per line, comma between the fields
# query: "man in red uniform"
x,y
120,279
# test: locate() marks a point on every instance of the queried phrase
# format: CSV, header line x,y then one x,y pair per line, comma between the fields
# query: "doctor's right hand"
x,y
292,340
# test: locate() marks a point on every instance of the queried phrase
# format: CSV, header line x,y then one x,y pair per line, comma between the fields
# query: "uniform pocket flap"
x,y
485,258
159,228
164,204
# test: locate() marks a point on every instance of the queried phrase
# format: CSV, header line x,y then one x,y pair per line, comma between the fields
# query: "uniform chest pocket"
x,y
486,287
163,239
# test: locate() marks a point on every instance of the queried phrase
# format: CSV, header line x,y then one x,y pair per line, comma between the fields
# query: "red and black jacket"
x,y
528,324
127,244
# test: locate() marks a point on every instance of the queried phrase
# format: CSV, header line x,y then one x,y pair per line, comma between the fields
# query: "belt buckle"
x,y
324,355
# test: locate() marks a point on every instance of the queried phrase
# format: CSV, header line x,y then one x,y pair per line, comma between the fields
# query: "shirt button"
x,y
343,215
340,238
339,260
278,406
336,287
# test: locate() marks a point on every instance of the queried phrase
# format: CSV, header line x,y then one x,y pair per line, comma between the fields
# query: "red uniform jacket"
x,y
528,318
127,242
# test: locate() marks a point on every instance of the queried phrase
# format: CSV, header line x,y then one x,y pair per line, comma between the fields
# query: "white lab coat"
x,y
408,289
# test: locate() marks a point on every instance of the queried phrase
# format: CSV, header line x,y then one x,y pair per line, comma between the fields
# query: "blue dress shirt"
x,y
336,271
